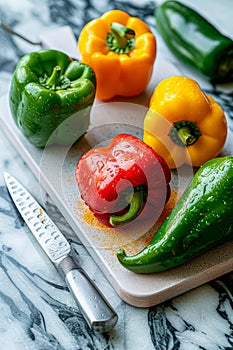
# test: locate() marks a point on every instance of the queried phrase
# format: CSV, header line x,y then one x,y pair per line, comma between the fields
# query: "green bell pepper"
x,y
48,87
201,219
196,41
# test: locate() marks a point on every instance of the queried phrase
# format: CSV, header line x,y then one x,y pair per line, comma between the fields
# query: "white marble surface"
x,y
36,310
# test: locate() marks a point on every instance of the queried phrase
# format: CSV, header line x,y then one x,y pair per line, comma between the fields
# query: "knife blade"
x,y
96,310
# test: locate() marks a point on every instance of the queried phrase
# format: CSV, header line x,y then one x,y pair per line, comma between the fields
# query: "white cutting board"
x,y
54,168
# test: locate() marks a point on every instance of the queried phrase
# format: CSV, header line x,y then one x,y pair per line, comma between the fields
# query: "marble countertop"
x,y
36,308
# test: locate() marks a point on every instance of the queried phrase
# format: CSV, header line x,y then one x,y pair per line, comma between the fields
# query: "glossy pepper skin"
x,y
190,127
121,50
122,181
196,41
47,87
201,219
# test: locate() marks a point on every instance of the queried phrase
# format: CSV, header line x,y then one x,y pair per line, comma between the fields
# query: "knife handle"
x,y
96,310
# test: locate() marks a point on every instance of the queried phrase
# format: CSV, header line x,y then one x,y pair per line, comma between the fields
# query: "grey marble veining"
x,y
36,309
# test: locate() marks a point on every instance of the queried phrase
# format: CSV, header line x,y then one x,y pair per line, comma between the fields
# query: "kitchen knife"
x,y
96,310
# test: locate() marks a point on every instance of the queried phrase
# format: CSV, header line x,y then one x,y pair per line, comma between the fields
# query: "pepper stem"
x,y
184,133
55,77
135,207
186,136
121,39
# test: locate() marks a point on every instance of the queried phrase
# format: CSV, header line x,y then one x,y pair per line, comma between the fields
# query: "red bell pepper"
x,y
123,181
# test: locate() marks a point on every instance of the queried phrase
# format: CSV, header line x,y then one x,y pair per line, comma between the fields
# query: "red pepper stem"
x,y
55,77
135,207
186,136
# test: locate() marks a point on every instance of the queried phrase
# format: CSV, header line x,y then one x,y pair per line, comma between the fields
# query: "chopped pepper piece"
x,y
47,87
123,181
183,124
121,50
201,220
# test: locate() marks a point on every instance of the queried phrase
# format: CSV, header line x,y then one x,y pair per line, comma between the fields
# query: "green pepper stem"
x,y
55,77
121,39
186,136
135,207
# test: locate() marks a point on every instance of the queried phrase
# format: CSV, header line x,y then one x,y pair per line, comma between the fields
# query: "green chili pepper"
x,y
196,41
47,87
201,219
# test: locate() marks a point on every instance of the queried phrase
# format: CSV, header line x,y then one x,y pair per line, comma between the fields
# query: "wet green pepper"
x,y
47,87
201,219
196,41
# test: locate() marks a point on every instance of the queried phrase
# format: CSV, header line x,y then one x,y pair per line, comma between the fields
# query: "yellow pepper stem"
x,y
186,137
184,133
121,39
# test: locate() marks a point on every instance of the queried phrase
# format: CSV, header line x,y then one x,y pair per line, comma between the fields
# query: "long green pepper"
x,y
201,219
48,87
195,40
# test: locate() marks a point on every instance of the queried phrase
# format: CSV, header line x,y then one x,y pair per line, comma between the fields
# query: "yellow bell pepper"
x,y
183,124
121,50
